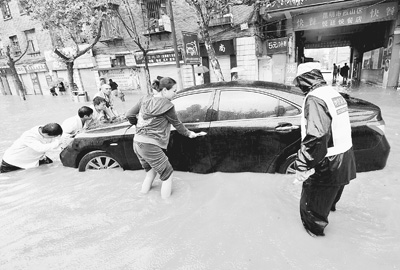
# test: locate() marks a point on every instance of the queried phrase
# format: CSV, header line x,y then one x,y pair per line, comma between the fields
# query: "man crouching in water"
x,y
325,162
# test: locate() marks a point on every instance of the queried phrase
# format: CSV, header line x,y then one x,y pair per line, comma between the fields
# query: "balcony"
x,y
226,19
158,26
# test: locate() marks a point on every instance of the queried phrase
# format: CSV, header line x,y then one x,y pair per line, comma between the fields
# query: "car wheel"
x,y
98,160
287,166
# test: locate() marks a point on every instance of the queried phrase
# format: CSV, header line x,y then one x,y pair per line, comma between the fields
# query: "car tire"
x,y
98,160
287,166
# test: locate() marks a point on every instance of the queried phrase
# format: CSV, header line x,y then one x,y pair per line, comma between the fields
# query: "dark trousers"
x,y
5,167
315,205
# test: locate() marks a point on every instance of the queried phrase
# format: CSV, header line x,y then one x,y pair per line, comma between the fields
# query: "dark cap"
x,y
166,82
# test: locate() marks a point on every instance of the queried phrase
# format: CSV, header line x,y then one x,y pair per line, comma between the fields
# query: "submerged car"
x,y
251,126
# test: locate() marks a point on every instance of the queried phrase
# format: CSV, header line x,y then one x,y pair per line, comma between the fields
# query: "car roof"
x,y
262,85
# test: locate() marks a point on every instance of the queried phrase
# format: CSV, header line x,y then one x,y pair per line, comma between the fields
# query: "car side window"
x,y
286,109
193,108
236,105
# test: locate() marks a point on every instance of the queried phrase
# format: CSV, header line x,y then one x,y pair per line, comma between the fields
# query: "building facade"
x,y
22,34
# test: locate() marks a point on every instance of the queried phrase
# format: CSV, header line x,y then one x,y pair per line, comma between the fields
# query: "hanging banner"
x,y
158,57
191,48
292,4
345,17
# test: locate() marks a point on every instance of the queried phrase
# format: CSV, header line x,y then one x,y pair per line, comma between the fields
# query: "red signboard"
x,y
291,4
277,45
345,17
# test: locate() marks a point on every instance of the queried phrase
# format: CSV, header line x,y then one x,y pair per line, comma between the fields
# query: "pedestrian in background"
x,y
115,91
29,150
335,71
153,116
53,91
61,88
344,72
325,162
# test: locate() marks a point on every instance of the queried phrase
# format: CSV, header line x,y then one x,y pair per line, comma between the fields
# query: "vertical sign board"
x,y
191,48
291,71
277,45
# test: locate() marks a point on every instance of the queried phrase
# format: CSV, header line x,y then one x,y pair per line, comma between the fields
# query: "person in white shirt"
x,y
76,124
29,150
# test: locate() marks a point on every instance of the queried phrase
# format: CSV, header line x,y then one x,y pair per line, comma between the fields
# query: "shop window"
x,y
33,47
15,45
6,10
118,61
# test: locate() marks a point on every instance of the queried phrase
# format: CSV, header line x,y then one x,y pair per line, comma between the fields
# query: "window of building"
x,y
22,7
6,10
118,61
155,8
15,45
33,46
156,15
2,50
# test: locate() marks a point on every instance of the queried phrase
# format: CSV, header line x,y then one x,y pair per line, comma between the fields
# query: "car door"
x,y
131,158
194,110
251,129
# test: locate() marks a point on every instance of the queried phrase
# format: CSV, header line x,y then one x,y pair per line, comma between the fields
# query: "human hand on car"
x,y
194,134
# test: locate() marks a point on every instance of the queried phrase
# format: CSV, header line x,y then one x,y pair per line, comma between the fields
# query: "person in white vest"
x,y
325,162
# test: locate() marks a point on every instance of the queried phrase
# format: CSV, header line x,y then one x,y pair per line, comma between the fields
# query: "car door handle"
x,y
286,128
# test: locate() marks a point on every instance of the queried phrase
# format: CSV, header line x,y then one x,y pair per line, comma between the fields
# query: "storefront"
x,y
33,78
226,55
367,29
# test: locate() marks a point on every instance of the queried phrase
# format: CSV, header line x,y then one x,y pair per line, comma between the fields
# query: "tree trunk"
x,y
147,73
70,70
211,54
20,87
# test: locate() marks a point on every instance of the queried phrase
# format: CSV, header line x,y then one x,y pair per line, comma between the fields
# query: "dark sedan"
x,y
252,126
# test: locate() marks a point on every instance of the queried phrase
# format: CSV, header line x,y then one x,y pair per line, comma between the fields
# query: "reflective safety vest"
x,y
340,126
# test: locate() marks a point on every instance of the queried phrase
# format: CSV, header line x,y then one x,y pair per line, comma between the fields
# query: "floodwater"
x,y
55,217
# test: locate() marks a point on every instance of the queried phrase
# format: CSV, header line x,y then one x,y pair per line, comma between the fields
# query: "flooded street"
x,y
54,217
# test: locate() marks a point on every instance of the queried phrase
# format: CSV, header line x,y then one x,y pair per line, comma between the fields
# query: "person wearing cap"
x,y
153,116
325,162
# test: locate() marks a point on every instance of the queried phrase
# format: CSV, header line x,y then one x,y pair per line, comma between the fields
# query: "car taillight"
x,y
378,126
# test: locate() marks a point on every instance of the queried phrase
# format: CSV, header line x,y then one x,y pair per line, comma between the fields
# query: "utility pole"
x,y
178,66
